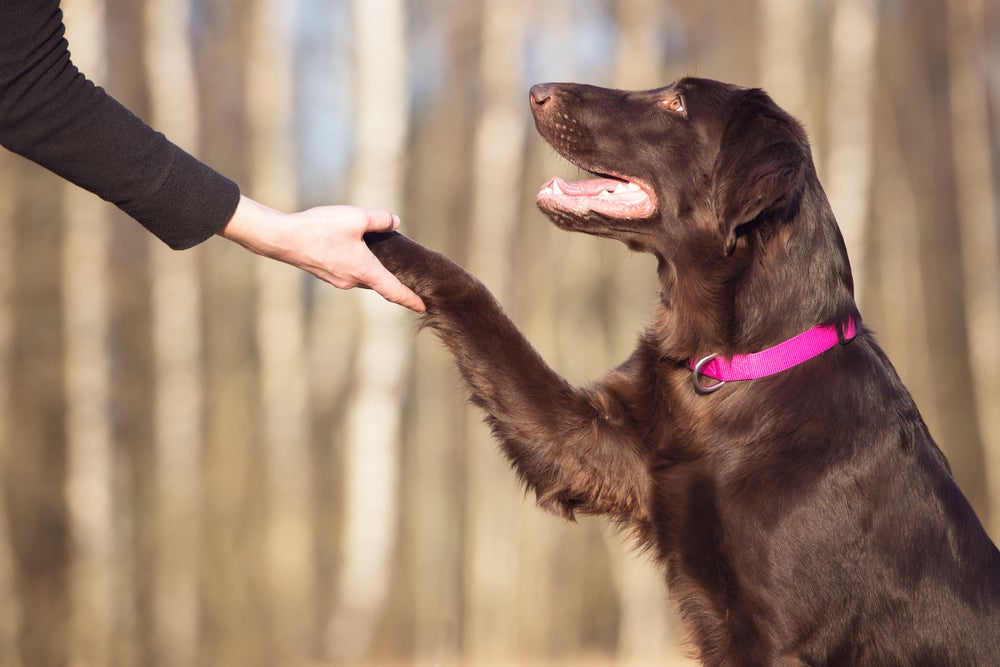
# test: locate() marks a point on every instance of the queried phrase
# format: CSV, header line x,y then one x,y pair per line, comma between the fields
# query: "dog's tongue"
x,y
610,196
590,187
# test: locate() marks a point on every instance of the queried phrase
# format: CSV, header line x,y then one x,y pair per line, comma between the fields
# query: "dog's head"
x,y
694,153
715,180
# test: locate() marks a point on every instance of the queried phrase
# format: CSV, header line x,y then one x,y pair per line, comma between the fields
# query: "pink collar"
x,y
771,361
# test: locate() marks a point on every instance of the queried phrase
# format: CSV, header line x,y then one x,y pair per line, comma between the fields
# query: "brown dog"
x,y
757,440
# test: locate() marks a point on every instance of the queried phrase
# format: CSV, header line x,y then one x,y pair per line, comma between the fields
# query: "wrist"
x,y
253,226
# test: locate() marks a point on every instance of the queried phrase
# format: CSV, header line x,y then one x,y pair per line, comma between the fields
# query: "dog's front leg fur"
x,y
577,448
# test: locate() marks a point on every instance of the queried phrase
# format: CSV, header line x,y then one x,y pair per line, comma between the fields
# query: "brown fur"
x,y
802,519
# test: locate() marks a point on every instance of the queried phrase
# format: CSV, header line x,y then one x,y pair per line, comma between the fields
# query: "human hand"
x,y
326,241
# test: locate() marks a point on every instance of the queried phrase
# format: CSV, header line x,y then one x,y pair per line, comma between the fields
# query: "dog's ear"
x,y
761,164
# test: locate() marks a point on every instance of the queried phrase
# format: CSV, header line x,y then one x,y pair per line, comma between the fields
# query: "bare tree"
x,y
784,54
637,62
895,281
913,50
234,617
10,607
34,466
90,482
492,545
85,300
849,166
281,331
371,456
977,210
177,349
438,210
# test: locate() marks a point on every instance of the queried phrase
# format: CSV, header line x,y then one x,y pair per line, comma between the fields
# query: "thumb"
x,y
381,220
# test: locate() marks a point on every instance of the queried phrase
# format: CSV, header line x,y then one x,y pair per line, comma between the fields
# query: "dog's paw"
x,y
430,274
409,260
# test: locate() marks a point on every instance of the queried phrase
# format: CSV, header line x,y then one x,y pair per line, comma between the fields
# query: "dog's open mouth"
x,y
609,196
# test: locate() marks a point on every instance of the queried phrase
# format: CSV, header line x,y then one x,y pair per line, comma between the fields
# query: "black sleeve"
x,y
51,114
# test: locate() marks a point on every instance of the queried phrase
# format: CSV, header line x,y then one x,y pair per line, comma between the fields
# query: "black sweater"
x,y
51,114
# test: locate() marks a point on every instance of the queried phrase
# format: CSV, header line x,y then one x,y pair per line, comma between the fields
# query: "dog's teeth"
x,y
625,188
555,188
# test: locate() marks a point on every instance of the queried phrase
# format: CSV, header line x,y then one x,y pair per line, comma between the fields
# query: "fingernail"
x,y
395,221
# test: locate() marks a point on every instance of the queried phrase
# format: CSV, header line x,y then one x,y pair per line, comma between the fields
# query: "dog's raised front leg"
x,y
579,449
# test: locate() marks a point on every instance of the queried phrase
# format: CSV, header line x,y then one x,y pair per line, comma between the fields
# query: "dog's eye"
x,y
676,104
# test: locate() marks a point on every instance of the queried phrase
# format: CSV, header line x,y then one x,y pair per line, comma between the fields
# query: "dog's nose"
x,y
540,94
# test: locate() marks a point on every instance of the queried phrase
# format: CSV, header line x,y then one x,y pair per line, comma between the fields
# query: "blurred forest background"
x,y
213,459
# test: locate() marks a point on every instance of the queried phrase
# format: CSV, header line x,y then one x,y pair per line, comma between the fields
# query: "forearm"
x,y
51,114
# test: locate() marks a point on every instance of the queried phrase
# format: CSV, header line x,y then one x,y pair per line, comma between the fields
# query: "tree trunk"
x,y
977,211
34,468
786,33
493,544
281,333
86,309
132,371
235,619
848,174
11,621
438,212
177,349
917,59
372,452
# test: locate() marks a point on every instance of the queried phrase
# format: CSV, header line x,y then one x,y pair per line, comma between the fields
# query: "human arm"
x,y
52,114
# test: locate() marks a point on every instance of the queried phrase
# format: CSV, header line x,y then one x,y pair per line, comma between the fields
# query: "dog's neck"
x,y
783,277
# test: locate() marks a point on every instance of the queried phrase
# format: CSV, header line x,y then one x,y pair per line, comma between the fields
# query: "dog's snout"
x,y
540,94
